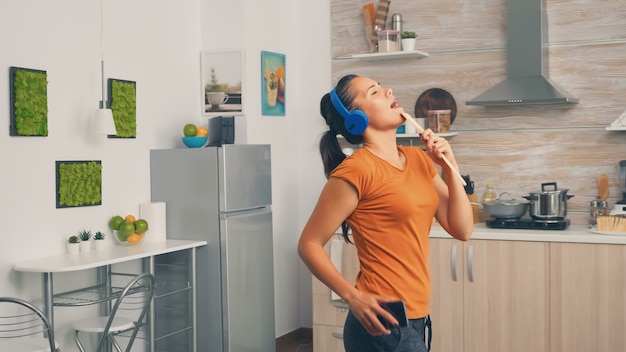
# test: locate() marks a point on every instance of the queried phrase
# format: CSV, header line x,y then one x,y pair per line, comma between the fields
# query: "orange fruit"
x,y
133,239
130,218
142,235
201,132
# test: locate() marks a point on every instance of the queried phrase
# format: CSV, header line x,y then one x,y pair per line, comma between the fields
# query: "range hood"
x,y
527,81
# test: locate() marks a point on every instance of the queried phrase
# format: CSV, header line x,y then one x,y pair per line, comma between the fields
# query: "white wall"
x,y
156,44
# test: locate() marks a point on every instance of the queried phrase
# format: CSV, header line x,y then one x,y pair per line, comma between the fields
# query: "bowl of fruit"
x,y
195,136
128,231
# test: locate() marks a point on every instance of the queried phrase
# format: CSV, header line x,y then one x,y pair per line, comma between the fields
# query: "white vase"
x,y
408,44
73,248
99,244
85,246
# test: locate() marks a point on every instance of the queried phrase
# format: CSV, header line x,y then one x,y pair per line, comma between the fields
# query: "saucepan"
x,y
510,208
550,203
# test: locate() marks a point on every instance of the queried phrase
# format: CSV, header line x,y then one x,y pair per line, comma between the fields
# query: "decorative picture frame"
x,y
29,102
273,83
123,104
78,183
222,82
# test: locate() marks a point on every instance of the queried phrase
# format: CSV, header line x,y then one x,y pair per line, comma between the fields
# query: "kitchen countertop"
x,y
573,234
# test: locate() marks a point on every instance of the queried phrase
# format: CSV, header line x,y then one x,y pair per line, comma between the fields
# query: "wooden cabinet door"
x,y
446,303
587,297
499,300
506,296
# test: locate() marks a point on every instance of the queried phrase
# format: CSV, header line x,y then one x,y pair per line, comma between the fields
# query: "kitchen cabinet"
x,y
329,313
489,295
587,297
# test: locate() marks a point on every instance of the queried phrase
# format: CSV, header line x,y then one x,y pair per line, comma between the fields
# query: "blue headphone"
x,y
355,121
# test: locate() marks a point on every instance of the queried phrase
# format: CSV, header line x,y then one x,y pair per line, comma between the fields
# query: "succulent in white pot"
x,y
98,240
85,243
73,245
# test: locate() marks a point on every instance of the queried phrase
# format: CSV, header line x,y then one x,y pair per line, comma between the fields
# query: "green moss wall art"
x,y
29,102
123,104
79,183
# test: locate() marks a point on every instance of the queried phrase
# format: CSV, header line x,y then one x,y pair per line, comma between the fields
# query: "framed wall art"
x,y
78,183
222,80
29,102
273,81
123,104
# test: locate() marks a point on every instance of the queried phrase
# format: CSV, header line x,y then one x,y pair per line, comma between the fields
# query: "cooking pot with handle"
x,y
549,204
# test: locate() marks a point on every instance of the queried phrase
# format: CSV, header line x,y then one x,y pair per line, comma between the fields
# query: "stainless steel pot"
x,y
548,204
506,209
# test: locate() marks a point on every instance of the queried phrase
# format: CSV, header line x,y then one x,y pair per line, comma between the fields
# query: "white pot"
x,y
99,244
73,248
85,246
408,44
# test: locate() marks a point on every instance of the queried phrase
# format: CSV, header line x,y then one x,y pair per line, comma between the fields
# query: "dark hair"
x,y
330,149
331,152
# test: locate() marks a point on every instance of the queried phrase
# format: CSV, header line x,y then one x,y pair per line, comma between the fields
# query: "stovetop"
x,y
528,224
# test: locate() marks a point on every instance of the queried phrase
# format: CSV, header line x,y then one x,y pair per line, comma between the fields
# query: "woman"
x,y
388,196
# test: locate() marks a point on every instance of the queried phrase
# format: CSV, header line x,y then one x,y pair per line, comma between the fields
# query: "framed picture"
x,y
123,104
222,83
273,80
29,102
78,183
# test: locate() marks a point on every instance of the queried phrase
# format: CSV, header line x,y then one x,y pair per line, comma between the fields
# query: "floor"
x,y
300,340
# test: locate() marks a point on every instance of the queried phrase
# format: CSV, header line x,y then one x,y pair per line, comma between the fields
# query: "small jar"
x,y
597,207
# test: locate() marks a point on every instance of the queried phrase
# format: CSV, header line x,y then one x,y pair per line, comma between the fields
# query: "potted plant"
x,y
73,245
85,243
98,240
408,40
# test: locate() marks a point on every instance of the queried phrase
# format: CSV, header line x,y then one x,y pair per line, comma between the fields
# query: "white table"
x,y
102,260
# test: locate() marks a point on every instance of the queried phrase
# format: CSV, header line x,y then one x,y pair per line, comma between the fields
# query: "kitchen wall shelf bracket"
x,y
414,54
619,124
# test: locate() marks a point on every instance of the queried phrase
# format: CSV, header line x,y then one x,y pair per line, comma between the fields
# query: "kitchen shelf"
x,y
393,55
619,124
415,135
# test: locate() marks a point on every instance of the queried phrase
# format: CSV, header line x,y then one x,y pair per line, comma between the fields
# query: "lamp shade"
x,y
104,122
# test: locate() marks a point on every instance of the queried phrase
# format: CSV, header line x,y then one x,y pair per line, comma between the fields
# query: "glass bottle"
x,y
490,193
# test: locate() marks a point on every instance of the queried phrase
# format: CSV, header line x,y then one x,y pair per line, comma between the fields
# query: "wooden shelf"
x,y
414,54
415,135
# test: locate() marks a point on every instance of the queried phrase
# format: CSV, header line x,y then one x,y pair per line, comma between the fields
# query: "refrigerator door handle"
x,y
246,212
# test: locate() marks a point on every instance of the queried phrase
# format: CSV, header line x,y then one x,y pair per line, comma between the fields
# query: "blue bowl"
x,y
195,142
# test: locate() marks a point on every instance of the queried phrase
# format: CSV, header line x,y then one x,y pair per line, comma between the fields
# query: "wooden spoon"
x,y
420,130
603,187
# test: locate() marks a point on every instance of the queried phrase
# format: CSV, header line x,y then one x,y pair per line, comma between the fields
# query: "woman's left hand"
x,y
436,147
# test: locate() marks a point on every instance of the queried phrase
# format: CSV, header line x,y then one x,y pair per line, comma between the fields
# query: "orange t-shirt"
x,y
391,225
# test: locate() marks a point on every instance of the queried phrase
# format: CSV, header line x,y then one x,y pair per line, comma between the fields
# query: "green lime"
x,y
190,130
115,222
126,229
141,226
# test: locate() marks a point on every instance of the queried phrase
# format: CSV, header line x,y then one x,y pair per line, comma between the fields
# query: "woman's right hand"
x,y
367,308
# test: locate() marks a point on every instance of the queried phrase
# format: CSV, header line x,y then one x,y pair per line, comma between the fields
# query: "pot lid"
x,y
511,201
554,190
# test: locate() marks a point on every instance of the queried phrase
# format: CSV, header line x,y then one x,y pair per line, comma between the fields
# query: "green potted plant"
x,y
408,40
98,240
73,245
85,243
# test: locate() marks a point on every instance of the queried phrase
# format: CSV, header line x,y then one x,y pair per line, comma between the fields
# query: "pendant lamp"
x,y
104,116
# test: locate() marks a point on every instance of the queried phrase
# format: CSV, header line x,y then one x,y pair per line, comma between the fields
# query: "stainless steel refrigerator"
x,y
223,195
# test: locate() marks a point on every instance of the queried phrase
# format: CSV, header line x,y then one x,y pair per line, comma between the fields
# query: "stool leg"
x,y
77,340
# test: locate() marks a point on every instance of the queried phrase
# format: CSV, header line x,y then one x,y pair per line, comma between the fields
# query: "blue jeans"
x,y
409,338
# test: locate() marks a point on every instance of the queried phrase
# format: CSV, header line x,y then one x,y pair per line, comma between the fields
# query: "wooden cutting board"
x,y
475,209
603,187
